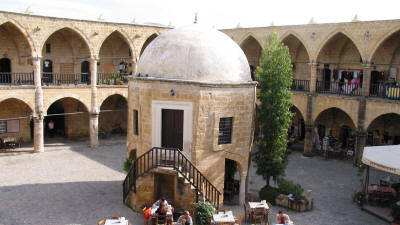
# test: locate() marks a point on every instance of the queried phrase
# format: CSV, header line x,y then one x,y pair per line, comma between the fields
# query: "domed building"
x,y
191,112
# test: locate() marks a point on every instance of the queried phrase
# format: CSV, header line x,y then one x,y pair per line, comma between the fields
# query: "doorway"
x,y
172,128
85,72
47,76
164,186
5,70
55,113
327,78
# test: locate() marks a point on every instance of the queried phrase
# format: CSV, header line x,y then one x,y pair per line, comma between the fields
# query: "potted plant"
x,y
359,198
204,213
396,213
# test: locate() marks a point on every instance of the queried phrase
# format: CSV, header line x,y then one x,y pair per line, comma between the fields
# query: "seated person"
x,y
185,219
282,218
156,204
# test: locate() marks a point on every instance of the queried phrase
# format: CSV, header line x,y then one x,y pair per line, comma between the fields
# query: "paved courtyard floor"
x,y
79,185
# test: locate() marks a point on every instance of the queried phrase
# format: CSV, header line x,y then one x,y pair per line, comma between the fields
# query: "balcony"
x,y
339,88
13,79
301,85
385,90
112,78
57,79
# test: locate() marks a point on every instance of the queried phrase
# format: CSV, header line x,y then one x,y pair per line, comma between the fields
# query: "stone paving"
x,y
79,185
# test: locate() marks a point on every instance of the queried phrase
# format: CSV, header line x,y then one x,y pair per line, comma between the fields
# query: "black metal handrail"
x,y
300,85
171,158
385,90
16,78
112,78
50,79
339,88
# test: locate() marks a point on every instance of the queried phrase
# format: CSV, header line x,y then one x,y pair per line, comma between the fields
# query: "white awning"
x,y
385,158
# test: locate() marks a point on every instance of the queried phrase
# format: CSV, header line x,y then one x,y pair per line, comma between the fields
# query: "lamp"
x,y
172,92
36,29
367,34
313,35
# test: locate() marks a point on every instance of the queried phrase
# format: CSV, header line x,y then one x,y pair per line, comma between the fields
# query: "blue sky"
x,y
217,13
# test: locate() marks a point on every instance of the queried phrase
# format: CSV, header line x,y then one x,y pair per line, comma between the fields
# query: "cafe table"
x,y
223,218
254,205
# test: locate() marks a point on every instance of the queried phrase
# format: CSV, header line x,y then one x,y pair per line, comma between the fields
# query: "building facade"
x,y
71,71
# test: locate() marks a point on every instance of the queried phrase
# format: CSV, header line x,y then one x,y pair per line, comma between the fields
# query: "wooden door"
x,y
172,128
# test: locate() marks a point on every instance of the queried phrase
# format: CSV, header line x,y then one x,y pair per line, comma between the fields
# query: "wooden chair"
x,y
258,215
221,210
239,219
247,213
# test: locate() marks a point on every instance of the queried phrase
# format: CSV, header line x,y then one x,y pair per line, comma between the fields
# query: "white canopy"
x,y
386,158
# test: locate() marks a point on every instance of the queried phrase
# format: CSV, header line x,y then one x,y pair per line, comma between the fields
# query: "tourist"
x,y
50,125
185,219
157,204
283,218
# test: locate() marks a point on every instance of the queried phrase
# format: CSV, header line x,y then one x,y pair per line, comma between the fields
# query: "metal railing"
x,y
112,78
385,90
51,79
171,158
300,85
16,79
339,88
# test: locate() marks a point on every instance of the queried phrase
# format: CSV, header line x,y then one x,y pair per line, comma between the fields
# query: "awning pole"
x,y
366,181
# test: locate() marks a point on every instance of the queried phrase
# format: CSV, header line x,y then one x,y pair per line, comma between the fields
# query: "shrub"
x,y
288,187
396,212
204,213
359,197
269,194
129,162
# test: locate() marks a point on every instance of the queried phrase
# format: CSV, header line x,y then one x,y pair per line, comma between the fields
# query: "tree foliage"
x,y
274,76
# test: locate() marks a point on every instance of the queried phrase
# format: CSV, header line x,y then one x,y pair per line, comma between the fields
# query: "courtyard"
x,y
80,185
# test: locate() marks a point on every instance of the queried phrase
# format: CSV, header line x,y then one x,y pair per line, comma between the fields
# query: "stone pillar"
x,y
308,139
242,192
94,111
366,79
313,77
361,139
134,66
360,133
38,139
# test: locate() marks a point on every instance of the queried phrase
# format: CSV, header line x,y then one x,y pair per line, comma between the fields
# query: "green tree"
x,y
274,76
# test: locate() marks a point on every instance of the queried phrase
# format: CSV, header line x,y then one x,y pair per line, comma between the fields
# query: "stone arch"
x,y
114,114
299,38
115,91
124,36
379,43
334,111
51,100
31,107
252,50
331,35
19,97
386,126
147,42
75,30
249,34
20,28
238,160
345,108
372,113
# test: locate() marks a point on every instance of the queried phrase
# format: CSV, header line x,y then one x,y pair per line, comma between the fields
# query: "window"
x,y
48,48
9,126
225,130
135,122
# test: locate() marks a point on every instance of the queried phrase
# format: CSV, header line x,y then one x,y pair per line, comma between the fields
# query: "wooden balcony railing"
x,y
16,79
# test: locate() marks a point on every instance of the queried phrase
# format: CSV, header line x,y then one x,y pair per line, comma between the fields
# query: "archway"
x,y
70,119
337,125
15,120
300,61
66,49
296,131
385,66
147,42
231,182
339,69
15,48
115,59
252,50
113,116
384,130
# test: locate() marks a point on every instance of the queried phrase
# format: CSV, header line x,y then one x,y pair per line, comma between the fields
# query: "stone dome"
x,y
195,53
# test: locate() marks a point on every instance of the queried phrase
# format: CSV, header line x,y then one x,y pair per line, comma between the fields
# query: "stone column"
x,y
242,192
38,115
366,79
134,66
313,77
361,139
94,111
308,139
